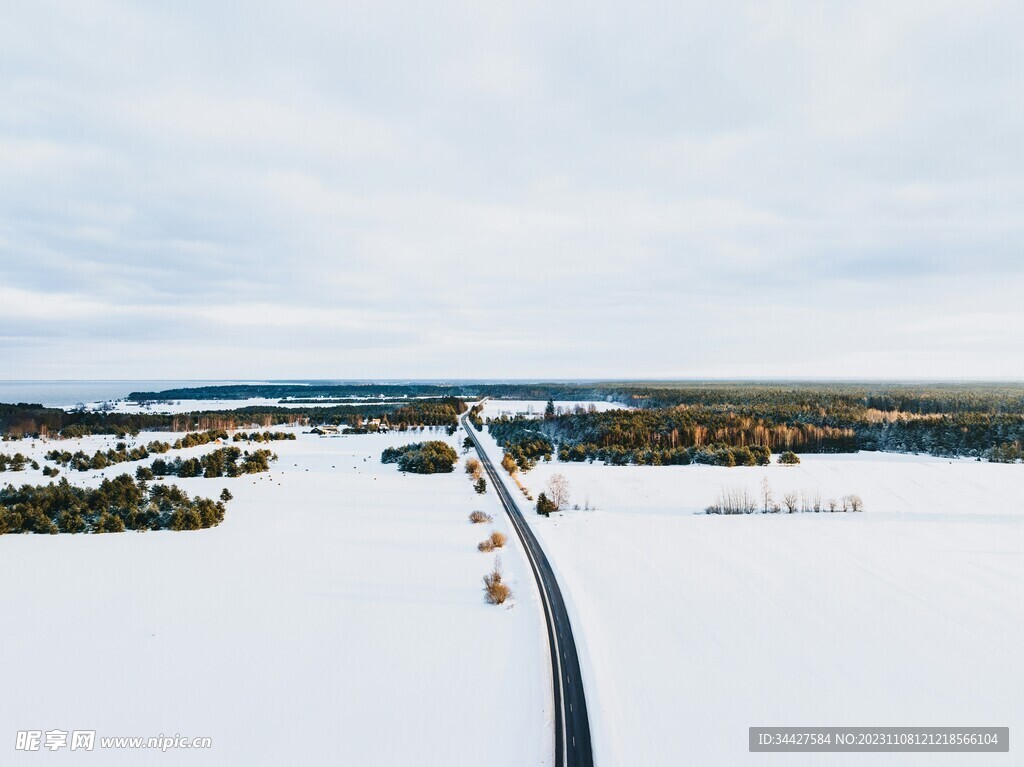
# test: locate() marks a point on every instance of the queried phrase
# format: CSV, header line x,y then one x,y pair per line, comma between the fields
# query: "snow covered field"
x,y
693,628
335,617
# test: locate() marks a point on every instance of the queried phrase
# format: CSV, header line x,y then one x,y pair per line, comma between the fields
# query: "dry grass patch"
x,y
496,541
495,591
477,517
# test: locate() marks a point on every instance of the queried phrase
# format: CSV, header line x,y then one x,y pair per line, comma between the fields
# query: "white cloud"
x,y
386,189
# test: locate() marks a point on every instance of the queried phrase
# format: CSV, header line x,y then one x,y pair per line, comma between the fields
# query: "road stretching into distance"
x,y
572,728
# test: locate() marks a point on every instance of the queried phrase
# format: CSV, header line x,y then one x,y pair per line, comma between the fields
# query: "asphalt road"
x,y
572,728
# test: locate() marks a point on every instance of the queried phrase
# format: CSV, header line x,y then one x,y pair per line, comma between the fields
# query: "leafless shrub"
x,y
791,501
856,504
485,546
495,591
474,468
498,539
844,503
478,516
817,502
832,504
733,501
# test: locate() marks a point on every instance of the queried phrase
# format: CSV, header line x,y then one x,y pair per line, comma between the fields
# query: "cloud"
x,y
394,190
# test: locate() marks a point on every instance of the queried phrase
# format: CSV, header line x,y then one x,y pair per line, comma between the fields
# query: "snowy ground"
x,y
335,617
693,628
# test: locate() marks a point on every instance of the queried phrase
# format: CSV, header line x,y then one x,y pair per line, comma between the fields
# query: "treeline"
x,y
222,462
121,453
665,436
433,457
526,450
20,421
1009,452
963,434
196,439
101,459
917,399
33,420
298,392
16,462
476,418
442,412
940,419
117,505
265,436
713,455
685,433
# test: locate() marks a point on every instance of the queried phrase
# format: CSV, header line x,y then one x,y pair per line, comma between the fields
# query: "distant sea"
x,y
67,394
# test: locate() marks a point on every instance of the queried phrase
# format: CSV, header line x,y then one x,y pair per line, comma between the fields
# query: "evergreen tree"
x,y
545,505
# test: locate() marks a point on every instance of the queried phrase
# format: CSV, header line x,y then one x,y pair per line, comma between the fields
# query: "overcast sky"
x,y
518,189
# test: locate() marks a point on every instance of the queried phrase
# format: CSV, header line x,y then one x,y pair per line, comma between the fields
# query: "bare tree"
x,y
558,490
791,500
832,504
766,495
733,500
856,504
